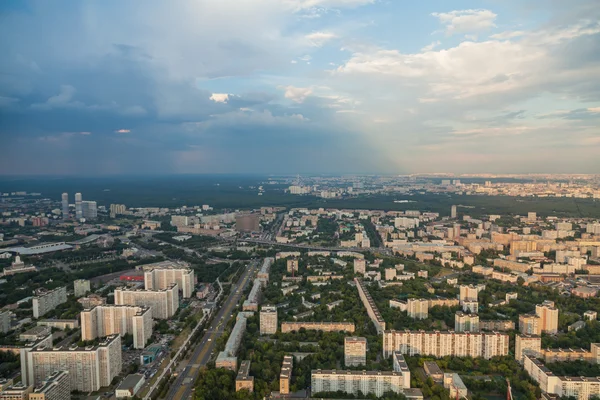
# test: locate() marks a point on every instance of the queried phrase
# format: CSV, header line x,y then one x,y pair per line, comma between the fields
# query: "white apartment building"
x,y
81,287
162,275
48,300
466,322
440,344
417,308
89,368
471,307
527,345
268,320
55,387
109,320
355,351
351,382
164,303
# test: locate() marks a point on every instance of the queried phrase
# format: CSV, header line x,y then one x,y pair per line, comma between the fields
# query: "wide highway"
x,y
184,384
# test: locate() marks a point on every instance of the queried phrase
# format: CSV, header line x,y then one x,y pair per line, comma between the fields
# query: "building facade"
x,y
109,320
159,276
370,305
81,287
48,300
466,322
355,351
244,381
318,326
56,387
548,315
164,303
268,320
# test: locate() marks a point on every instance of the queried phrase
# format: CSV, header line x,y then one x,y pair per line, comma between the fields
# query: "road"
x,y
183,385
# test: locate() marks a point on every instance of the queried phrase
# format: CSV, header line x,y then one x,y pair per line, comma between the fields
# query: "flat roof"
x,y
130,381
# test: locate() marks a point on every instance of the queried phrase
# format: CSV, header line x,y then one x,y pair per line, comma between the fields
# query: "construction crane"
x,y
509,395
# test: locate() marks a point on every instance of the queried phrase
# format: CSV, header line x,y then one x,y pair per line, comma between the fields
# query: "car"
x,y
209,339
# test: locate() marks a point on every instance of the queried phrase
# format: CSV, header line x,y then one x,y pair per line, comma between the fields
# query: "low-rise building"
x,y
455,385
55,387
130,386
318,326
285,377
433,371
244,381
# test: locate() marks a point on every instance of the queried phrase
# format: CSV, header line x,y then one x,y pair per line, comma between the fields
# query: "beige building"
x,y
46,301
244,381
163,275
469,292
292,265
466,322
91,301
109,320
81,287
318,326
417,308
90,368
61,324
529,324
163,302
360,266
527,344
455,386
370,305
355,351
351,382
440,344
16,392
285,377
268,320
56,387
498,325
548,316
390,274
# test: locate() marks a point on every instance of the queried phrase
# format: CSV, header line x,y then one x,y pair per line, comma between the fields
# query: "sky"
x,y
299,86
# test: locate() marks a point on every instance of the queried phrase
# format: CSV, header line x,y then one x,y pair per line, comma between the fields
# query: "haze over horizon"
x,y
299,86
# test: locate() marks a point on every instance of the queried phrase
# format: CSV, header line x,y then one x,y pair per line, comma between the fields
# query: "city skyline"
x,y
300,86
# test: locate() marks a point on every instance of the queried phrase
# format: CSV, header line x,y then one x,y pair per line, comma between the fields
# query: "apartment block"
x,y
163,302
498,325
292,265
45,301
61,324
109,320
417,308
4,321
251,303
16,392
227,358
89,368
469,292
400,366
56,387
471,307
285,377
91,301
590,315
263,274
390,274
441,344
466,322
268,320
370,305
530,324
355,351
244,381
527,345
318,326
351,382
455,385
81,287
162,275
548,315
360,266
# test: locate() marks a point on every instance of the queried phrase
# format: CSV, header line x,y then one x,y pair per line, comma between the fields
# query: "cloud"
x,y
318,39
220,97
296,94
594,109
63,99
464,21
123,131
431,46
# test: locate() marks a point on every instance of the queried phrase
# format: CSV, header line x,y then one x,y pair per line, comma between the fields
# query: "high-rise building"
x,y
78,209
548,316
441,344
247,223
360,266
4,321
285,377
469,292
161,275
81,287
466,322
531,216
45,301
268,320
527,345
89,209
529,324
227,358
352,382
355,351
89,368
106,320
117,209
164,303
55,387
65,205
453,212
417,308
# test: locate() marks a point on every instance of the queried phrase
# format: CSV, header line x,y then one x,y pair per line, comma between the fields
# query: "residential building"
x,y
81,287
355,351
162,275
471,307
370,305
285,377
469,292
400,366
89,368
360,266
318,326
247,223
466,322
251,303
91,301
164,303
4,321
244,381
453,212
441,344
227,358
433,371
527,345
530,324
109,320
35,333
268,320
61,324
117,209
455,385
263,274
65,206
55,387
498,325
548,316
590,315
351,382
89,209
45,301
78,208
390,274
292,265
130,386
417,308
16,392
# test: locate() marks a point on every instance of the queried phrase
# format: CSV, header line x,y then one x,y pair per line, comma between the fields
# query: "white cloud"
x,y
463,21
123,131
219,97
431,46
594,109
308,4
296,94
318,39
